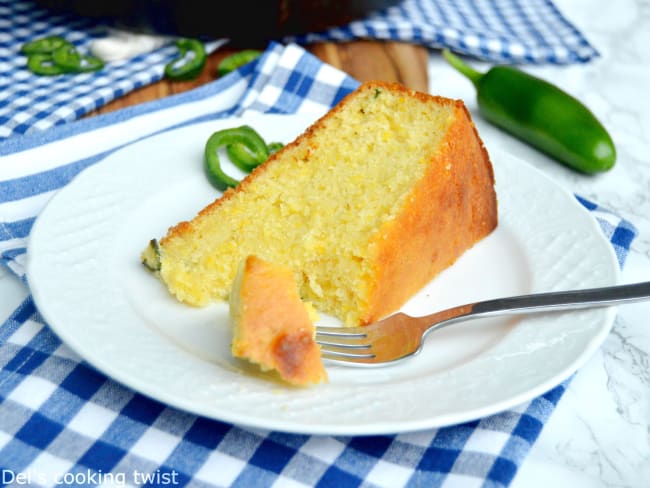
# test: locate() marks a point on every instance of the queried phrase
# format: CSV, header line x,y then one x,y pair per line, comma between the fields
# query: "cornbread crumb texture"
x,y
271,326
360,207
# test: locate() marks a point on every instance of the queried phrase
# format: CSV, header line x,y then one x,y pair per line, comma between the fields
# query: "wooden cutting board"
x,y
373,60
363,60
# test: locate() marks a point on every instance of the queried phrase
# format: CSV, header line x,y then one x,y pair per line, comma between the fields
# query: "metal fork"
x,y
400,336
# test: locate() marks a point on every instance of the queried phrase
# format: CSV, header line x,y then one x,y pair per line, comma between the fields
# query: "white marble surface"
x,y
599,435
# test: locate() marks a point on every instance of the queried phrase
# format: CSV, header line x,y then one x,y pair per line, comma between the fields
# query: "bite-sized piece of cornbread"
x,y
376,198
271,325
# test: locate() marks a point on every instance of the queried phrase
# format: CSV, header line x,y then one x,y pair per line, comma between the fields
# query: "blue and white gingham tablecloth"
x,y
505,31
61,420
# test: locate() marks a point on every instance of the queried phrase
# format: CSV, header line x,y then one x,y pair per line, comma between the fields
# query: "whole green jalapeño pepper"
x,y
542,115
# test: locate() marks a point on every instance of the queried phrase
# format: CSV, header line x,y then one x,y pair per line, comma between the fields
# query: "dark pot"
x,y
248,21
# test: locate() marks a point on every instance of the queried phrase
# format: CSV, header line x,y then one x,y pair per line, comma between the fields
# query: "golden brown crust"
x,y
271,326
297,357
451,208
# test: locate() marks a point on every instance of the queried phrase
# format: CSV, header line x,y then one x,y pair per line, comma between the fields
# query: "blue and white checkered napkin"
x,y
31,102
61,419
496,30
500,31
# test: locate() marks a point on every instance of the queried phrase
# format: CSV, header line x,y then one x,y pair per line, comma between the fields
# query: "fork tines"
x,y
340,343
340,332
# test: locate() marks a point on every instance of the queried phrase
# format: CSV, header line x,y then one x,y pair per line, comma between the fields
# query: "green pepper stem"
x,y
473,75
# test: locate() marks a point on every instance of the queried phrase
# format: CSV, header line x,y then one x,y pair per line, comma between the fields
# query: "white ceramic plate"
x,y
87,280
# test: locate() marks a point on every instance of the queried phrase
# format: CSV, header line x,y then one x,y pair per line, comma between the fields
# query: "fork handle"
x,y
545,302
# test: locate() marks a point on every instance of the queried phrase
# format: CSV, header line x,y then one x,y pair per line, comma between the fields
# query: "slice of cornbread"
x,y
271,325
368,205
